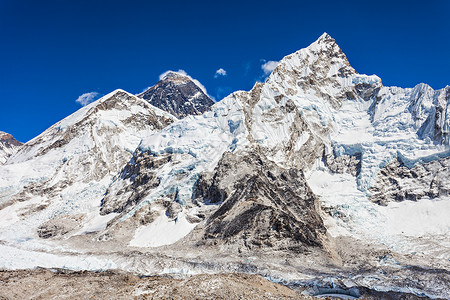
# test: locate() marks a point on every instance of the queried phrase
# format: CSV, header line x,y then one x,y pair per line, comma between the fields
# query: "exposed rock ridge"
x,y
397,182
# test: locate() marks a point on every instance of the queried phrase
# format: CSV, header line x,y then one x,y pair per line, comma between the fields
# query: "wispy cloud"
x,y
183,73
87,98
269,66
247,67
220,72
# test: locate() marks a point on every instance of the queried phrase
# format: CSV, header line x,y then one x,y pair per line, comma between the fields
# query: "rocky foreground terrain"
x,y
63,284
54,284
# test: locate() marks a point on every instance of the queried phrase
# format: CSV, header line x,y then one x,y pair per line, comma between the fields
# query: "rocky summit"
x,y
321,178
179,95
8,146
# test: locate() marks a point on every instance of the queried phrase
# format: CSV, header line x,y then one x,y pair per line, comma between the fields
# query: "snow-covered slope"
x,y
8,146
54,184
178,94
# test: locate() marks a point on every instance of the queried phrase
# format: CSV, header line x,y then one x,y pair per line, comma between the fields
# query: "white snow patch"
x,y
96,223
426,216
162,231
16,258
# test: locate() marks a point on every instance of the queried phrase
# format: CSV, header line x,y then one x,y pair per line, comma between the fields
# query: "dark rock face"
x,y
397,182
350,164
262,205
8,139
178,95
140,171
59,226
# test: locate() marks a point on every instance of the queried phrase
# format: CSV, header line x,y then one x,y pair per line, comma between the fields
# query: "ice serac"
x,y
54,184
179,95
8,146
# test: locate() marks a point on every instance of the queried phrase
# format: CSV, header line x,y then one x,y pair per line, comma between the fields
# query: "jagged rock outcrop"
x,y
141,174
179,95
261,205
350,164
8,146
398,182
59,226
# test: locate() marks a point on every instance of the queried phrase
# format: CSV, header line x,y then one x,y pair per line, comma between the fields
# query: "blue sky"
x,y
51,52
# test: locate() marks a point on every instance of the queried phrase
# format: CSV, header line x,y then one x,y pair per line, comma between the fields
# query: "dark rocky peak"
x,y
179,95
175,77
7,139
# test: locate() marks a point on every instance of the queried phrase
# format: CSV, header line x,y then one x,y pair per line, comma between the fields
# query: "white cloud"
x,y
87,98
220,72
269,66
183,73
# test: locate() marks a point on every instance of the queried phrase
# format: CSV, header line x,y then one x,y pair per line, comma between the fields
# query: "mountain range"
x,y
319,176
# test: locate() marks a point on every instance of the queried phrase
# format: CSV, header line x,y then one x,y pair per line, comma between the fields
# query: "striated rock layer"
x,y
260,205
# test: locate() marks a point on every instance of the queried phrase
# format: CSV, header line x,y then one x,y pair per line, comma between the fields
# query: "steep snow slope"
x,y
8,146
54,184
179,95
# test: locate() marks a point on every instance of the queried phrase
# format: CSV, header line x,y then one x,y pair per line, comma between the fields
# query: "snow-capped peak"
x,y
325,37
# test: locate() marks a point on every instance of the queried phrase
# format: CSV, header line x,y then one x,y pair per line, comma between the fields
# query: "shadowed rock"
x,y
178,95
262,205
